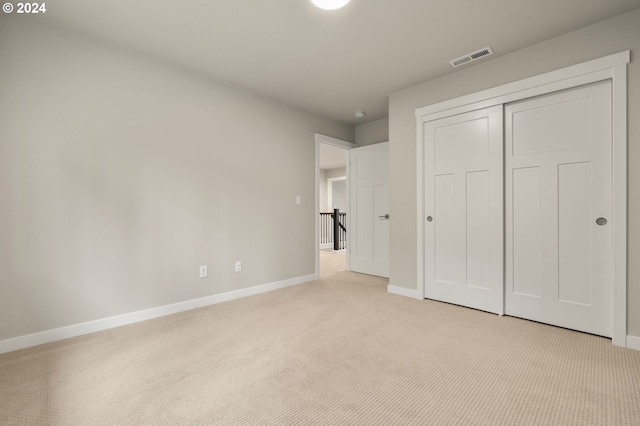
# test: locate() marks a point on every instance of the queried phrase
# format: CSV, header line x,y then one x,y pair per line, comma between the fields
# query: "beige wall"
x,y
608,37
373,132
334,173
323,186
120,175
322,191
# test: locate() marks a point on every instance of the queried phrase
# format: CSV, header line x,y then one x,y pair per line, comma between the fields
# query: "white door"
x,y
369,210
464,209
558,198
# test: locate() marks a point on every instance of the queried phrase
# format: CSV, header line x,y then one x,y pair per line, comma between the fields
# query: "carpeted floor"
x,y
337,351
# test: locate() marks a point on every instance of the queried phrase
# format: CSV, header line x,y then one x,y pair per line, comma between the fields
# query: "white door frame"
x,y
614,68
338,143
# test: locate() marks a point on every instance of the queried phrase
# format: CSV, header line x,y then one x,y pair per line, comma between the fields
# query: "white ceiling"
x,y
328,62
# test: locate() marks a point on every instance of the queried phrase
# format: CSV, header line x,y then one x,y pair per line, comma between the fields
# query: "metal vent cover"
x,y
470,57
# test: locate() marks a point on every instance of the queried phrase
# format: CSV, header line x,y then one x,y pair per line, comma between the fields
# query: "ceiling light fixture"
x,y
330,4
359,114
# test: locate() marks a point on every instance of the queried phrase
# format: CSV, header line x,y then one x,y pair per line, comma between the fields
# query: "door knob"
x,y
601,221
429,218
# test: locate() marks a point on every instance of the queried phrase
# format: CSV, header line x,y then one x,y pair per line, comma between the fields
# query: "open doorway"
x,y
332,158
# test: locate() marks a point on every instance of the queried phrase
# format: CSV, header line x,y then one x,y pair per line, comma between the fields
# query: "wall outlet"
x,y
203,271
238,266
298,199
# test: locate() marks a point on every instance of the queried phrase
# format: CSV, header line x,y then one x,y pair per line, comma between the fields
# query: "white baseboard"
x,y
22,342
401,291
633,342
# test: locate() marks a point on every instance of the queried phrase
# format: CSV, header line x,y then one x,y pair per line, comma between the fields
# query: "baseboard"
x,y
633,342
401,291
22,342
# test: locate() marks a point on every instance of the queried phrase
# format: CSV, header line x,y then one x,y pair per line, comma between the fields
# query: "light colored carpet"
x,y
337,351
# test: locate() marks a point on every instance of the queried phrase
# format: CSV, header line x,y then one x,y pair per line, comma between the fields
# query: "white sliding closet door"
x,y
558,201
463,159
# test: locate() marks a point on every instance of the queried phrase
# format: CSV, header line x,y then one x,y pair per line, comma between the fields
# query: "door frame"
x,y
612,67
338,143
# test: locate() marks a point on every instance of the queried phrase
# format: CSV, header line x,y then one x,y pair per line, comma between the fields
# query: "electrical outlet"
x,y
298,199
203,271
238,266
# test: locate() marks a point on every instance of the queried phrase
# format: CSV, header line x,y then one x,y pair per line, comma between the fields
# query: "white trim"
x,y
601,64
619,159
633,342
525,93
338,143
612,67
406,292
22,342
420,207
316,237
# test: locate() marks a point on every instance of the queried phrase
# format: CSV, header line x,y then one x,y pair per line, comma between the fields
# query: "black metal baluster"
x,y
337,231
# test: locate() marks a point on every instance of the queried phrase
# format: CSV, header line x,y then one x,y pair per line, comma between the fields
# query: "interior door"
x,y
369,210
558,209
464,209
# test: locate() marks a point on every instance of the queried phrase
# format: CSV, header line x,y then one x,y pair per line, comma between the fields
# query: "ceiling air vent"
x,y
471,57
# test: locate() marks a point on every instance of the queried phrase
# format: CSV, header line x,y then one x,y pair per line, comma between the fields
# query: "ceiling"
x,y
330,63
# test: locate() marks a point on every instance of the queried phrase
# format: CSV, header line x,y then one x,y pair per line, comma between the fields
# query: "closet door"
x,y
558,209
464,209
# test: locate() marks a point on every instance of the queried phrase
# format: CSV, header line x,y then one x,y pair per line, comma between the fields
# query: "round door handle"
x,y
601,221
429,219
